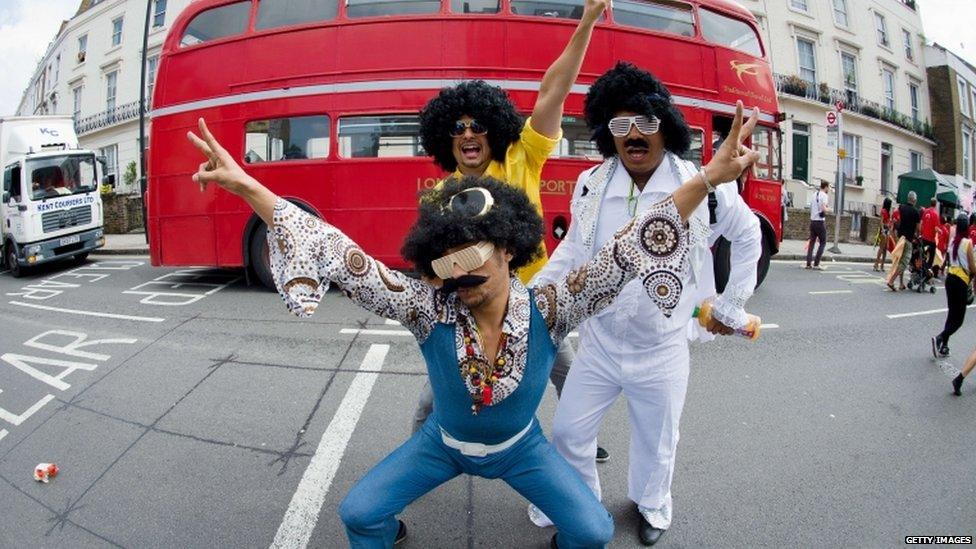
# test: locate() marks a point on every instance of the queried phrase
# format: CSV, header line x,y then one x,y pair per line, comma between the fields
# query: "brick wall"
x,y
942,90
123,213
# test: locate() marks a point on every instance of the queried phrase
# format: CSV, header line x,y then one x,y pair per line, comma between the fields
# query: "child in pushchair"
x,y
919,273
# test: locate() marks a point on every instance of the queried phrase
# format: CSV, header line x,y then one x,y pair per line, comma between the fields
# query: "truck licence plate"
x,y
73,239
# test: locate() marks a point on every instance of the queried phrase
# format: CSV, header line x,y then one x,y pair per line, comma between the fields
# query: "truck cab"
x,y
51,208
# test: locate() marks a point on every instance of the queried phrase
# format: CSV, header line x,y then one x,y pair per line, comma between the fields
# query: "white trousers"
x,y
654,381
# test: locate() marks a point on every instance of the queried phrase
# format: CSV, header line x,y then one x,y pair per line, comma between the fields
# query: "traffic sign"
x,y
841,153
839,105
831,118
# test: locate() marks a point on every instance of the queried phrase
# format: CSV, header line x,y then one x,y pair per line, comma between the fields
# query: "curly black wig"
x,y
628,88
487,104
512,224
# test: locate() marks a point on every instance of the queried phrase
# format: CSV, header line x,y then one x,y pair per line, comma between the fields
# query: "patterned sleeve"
x,y
653,247
308,253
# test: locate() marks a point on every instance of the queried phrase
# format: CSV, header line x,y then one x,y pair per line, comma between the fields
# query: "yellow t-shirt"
x,y
523,169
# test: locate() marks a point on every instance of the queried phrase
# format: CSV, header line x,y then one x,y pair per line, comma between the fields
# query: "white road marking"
x,y
921,313
768,326
391,322
89,313
303,511
375,332
831,292
3,433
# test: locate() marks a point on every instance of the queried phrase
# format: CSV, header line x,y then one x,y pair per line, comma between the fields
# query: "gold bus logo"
x,y
740,68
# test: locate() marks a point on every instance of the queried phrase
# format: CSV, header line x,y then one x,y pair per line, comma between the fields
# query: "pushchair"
x,y
920,276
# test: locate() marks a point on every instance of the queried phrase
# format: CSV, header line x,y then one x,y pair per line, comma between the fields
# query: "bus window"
x,y
475,6
217,23
299,138
279,13
576,141
719,29
655,15
767,145
375,8
379,137
694,153
568,9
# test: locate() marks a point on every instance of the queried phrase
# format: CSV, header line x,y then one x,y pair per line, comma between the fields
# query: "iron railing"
x,y
794,85
105,119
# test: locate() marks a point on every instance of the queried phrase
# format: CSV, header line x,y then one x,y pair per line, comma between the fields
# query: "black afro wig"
x,y
487,104
512,224
628,88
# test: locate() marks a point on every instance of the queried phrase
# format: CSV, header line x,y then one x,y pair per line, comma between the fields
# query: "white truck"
x,y
51,207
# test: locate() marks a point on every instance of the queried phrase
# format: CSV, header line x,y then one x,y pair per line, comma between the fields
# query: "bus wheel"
x,y
260,258
15,269
722,263
80,258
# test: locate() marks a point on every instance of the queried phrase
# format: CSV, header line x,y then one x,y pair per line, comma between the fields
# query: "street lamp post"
x,y
839,181
142,117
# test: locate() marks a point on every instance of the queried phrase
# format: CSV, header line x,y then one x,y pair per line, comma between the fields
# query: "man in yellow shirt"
x,y
474,129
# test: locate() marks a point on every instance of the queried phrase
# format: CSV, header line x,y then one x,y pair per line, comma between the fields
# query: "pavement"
x,y
134,243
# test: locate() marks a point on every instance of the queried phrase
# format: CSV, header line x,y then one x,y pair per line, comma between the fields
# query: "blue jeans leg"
x,y
548,481
369,509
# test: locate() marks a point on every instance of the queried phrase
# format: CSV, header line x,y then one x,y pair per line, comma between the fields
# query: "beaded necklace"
x,y
480,373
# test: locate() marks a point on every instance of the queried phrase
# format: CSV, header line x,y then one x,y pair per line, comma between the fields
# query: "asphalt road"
x,y
187,409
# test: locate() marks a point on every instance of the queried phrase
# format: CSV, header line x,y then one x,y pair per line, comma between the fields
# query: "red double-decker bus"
x,y
319,100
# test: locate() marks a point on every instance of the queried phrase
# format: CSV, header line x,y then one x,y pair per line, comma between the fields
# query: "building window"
x,y
972,103
159,14
915,158
82,47
913,96
851,165
848,65
808,62
76,102
57,68
297,138
882,28
909,50
379,136
111,82
840,12
963,96
116,31
151,65
888,81
967,154
799,5
111,154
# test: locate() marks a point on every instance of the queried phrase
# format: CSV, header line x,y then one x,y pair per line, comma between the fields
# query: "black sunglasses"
x,y
477,128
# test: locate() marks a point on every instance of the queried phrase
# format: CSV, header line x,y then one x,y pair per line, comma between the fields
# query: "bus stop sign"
x,y
831,118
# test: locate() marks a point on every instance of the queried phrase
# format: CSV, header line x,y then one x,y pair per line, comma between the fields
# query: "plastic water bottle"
x,y
750,331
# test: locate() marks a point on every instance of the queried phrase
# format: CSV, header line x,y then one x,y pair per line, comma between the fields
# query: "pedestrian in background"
x,y
883,234
942,235
961,266
818,225
966,369
929,226
906,228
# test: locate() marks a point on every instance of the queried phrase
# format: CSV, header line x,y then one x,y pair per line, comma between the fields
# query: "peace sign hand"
x,y
732,157
220,167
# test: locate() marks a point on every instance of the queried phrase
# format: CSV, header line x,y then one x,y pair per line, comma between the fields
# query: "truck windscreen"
x,y
61,176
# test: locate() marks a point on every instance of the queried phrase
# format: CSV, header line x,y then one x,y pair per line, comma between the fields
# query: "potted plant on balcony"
x,y
824,95
859,180
870,110
794,85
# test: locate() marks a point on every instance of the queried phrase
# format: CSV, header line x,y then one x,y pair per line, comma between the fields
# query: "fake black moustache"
x,y
636,143
467,281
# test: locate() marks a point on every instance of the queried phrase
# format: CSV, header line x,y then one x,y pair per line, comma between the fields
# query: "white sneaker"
x,y
538,517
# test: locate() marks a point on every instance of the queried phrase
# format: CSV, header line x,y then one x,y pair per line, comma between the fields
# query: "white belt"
x,y
476,449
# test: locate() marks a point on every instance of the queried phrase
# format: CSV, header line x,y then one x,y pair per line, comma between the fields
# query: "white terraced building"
x,y
91,70
868,54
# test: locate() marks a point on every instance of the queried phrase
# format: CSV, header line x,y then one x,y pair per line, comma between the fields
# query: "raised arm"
x,y
307,254
548,111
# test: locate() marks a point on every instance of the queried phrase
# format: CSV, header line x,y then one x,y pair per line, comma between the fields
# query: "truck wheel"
x,y
260,259
722,263
15,269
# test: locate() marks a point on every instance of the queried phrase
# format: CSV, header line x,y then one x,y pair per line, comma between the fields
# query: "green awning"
x,y
928,183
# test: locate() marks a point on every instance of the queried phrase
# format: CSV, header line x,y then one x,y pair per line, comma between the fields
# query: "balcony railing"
x,y
119,114
794,85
